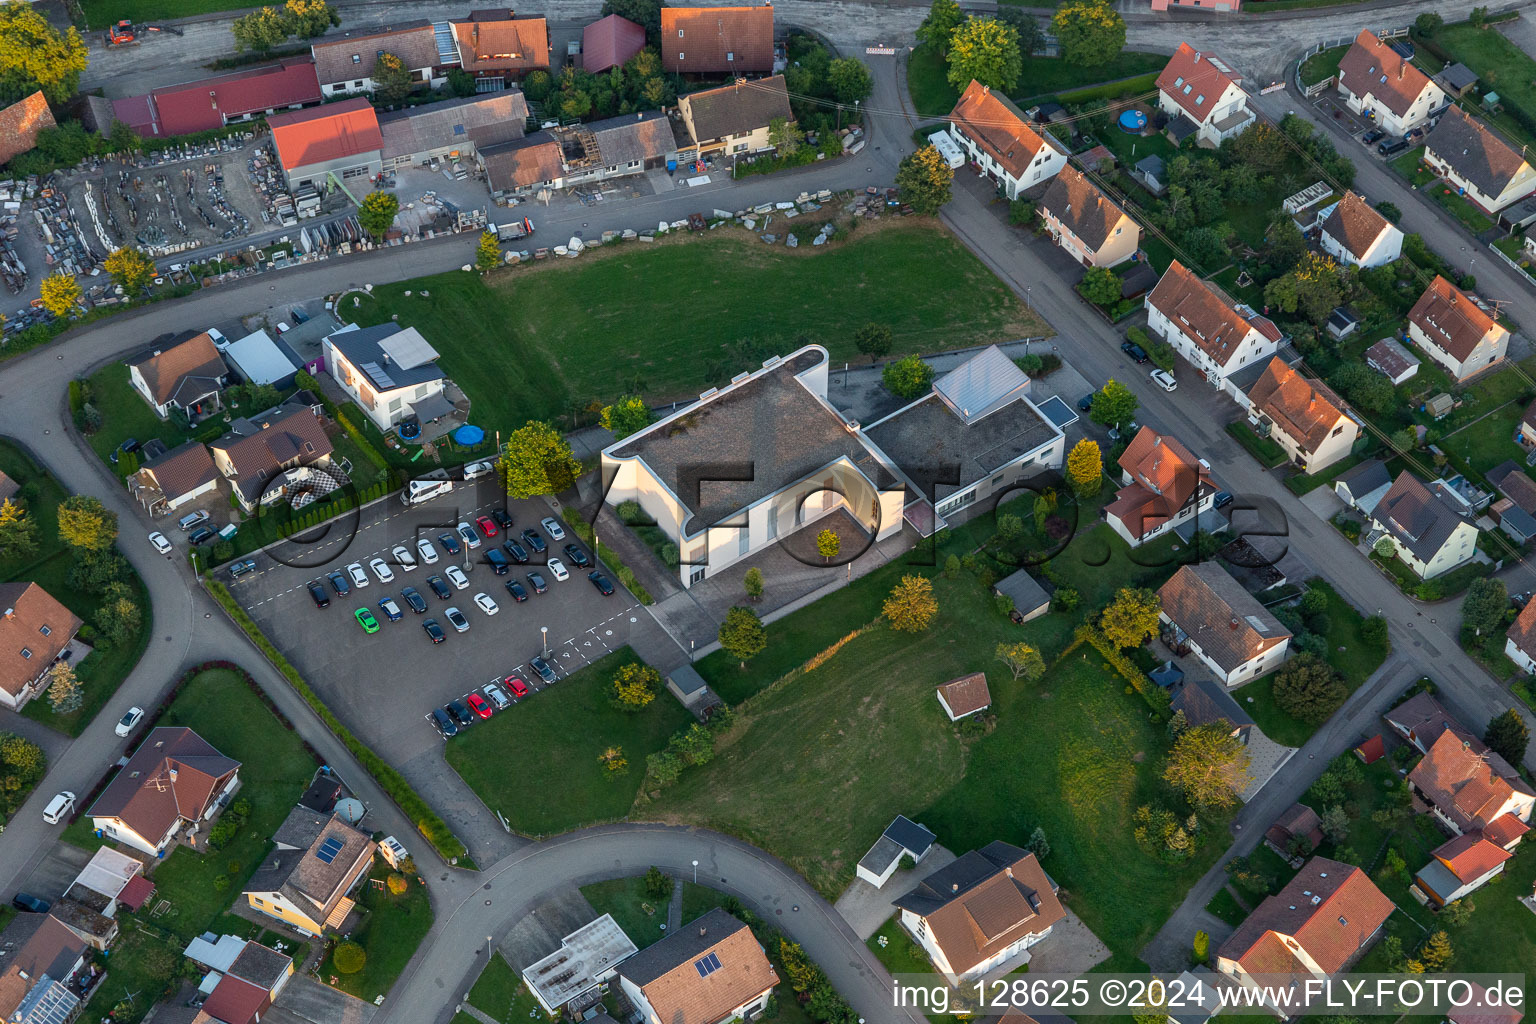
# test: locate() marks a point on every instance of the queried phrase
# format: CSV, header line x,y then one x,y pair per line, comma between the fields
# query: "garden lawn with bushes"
x,y
391,929
500,993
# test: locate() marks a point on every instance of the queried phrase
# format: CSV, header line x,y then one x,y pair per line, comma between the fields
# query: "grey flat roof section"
x,y
881,856
982,384
261,359
927,440
583,958
1439,878
752,440
1058,412
364,345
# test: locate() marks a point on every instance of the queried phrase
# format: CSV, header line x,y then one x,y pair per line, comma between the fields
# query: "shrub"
x,y
349,958
657,884
907,378
396,883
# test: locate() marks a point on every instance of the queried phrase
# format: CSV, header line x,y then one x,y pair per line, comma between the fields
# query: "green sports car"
x,y
366,620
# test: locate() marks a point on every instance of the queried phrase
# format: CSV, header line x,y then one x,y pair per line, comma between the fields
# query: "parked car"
x,y
449,542
1085,404
428,552
577,556
414,599
486,603
403,557
1391,147
1164,380
503,518
460,713
456,617
127,722
191,519
29,903
241,568
1373,136
434,631
517,686
161,544
1522,599
515,551
470,536
318,595
498,696
339,584
456,577
381,569
534,541
497,561
390,609
59,807
200,536
487,526
516,590
443,723
358,576
478,705
439,588
537,582
603,584
553,528
1222,499
543,668
1134,350
366,620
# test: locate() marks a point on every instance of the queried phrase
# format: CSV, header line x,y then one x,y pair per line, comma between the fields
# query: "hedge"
x,y
625,574
1110,90
372,454
1156,697
431,827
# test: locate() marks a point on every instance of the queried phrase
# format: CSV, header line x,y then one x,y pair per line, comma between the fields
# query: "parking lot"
x,y
384,685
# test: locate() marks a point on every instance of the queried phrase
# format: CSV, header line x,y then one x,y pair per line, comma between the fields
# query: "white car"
x,y
553,528
428,552
359,578
470,536
161,544
403,558
59,807
127,722
1164,380
557,569
456,577
381,569
456,617
483,600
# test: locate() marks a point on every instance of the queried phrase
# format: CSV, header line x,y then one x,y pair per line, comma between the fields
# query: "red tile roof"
x,y
1371,67
199,106
1220,616
1462,782
502,44
1505,830
1164,477
1470,856
717,40
1372,750
966,695
1195,81
1200,311
25,650
174,775
19,124
1523,632
1306,410
992,121
1354,225
1450,319
235,1002
1330,909
138,890
336,130
610,42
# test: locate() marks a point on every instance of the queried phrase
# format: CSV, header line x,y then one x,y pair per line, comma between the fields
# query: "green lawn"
x,y
928,84
1321,65
390,932
1049,76
1264,449
1502,66
563,730
1489,441
1225,906
1411,166
125,414
674,317
101,13
500,993
639,915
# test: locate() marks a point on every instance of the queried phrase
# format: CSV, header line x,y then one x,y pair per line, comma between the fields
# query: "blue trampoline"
x,y
468,435
1132,121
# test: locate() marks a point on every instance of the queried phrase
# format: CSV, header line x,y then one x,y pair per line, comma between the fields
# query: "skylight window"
x,y
707,966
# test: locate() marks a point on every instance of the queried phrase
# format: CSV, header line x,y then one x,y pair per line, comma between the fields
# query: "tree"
x,y
64,691
943,18
1334,823
850,80
1508,736
828,544
397,883
487,252
391,78
1114,405
1131,617
1389,211
35,55
663,767
21,758
985,50
131,268
1205,246
537,459
60,292
1202,947
1208,765
1315,287
1482,611
84,522
911,606
1100,286
752,583
121,138
349,958
1038,844
18,531
1091,32
1374,631
1436,954
742,634
628,415
635,685
1031,35
1022,660
260,30
309,18
924,179
785,136
658,885
1364,387
1085,468
119,617
873,340
377,212
1309,689
93,571
645,13
1009,527
907,378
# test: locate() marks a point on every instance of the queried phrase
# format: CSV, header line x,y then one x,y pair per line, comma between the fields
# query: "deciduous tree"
x,y
18,531
537,459
924,180
1090,32
1131,617
1508,736
60,292
1309,689
391,78
873,340
785,136
35,55
119,617
911,606
742,634
131,268
828,544
628,415
84,522
1022,660
1114,405
487,252
987,51
850,80
635,685
752,583
1364,387
907,378
64,690
1482,611
1085,468
1208,765
1334,823
377,212
1100,286
309,18
261,30
943,18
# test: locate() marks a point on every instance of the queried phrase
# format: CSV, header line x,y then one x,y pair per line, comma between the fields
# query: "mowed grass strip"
x,y
538,761
674,317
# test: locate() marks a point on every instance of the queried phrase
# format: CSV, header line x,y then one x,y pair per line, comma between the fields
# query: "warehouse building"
x,y
339,139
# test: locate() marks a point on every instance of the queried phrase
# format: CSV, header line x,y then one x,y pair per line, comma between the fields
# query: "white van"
x,y
418,491
59,807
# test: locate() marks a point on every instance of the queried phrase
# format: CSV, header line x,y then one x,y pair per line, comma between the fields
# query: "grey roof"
x,y
881,856
1181,128
633,138
1026,593
1390,357
1167,674
927,439
983,383
1518,523
1438,878
687,680
1203,701
413,42
362,346
585,957
262,359
300,828
1368,476
1417,517
1458,76
910,835
260,965
1151,165
737,108
678,948
478,120
1341,318
1474,152
959,877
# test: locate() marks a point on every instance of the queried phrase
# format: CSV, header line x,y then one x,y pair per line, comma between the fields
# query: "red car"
x,y
486,525
517,686
478,705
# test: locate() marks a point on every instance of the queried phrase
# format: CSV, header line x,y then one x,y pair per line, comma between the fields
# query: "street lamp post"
x,y
544,639
695,872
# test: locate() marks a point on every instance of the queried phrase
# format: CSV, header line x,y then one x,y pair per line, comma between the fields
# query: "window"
x,y
357,58
743,541
45,629
730,54
698,573
680,53
679,35
458,129
773,524
1337,430
998,479
258,901
707,966
357,84
26,652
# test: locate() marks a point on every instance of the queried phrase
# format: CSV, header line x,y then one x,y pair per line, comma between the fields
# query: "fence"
x,y
1328,44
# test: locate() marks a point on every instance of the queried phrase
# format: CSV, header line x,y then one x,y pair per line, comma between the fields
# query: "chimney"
x,y
954,886
1197,56
213,99
701,931
1233,623
10,613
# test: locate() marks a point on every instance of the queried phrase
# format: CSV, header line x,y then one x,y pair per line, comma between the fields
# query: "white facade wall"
x,y
1526,663
1254,346
1431,98
1387,248
1489,351
1045,166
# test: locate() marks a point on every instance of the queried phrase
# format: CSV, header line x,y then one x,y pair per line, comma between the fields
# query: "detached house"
x,y
34,630
1421,719
1466,153
734,119
1204,702
278,454
1459,866
1520,642
187,374
1164,487
344,63
498,48
1209,612
1206,328
1084,222
1379,82
1001,142
985,909
306,880
1302,416
1355,233
965,696
717,40
45,977
174,783
1468,787
389,372
1202,97
711,970
1428,533
177,478
1456,332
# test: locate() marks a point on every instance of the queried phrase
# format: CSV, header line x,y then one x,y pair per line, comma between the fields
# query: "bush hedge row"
x,y
607,555
1155,696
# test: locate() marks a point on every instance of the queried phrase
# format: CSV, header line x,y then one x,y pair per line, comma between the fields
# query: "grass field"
x,y
562,730
500,993
101,13
1500,64
932,95
392,929
1321,65
125,414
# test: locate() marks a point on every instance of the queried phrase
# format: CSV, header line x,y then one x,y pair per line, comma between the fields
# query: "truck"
x,y
418,491
511,232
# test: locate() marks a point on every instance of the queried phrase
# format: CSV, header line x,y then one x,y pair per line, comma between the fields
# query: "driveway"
x,y
866,908
306,1000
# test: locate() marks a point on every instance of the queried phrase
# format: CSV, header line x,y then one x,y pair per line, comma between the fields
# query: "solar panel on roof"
x,y
408,349
381,380
330,848
707,966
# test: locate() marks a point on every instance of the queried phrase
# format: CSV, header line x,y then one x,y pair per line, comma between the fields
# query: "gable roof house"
x,y
1465,152
1001,143
1429,534
1200,90
903,837
1459,866
1164,486
89,906
532,163
1520,641
176,781
186,374
708,971
1204,701
1364,485
223,99
1087,224
983,910
43,978
340,139
1456,332
717,40
1222,624
1321,922
614,147
1355,233
734,119
501,47
19,124
965,696
177,478
344,62
610,42
1298,822
258,451
389,371
1205,327
1392,360
1468,787
1377,81
453,129
306,881
1303,416
1421,719
35,628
